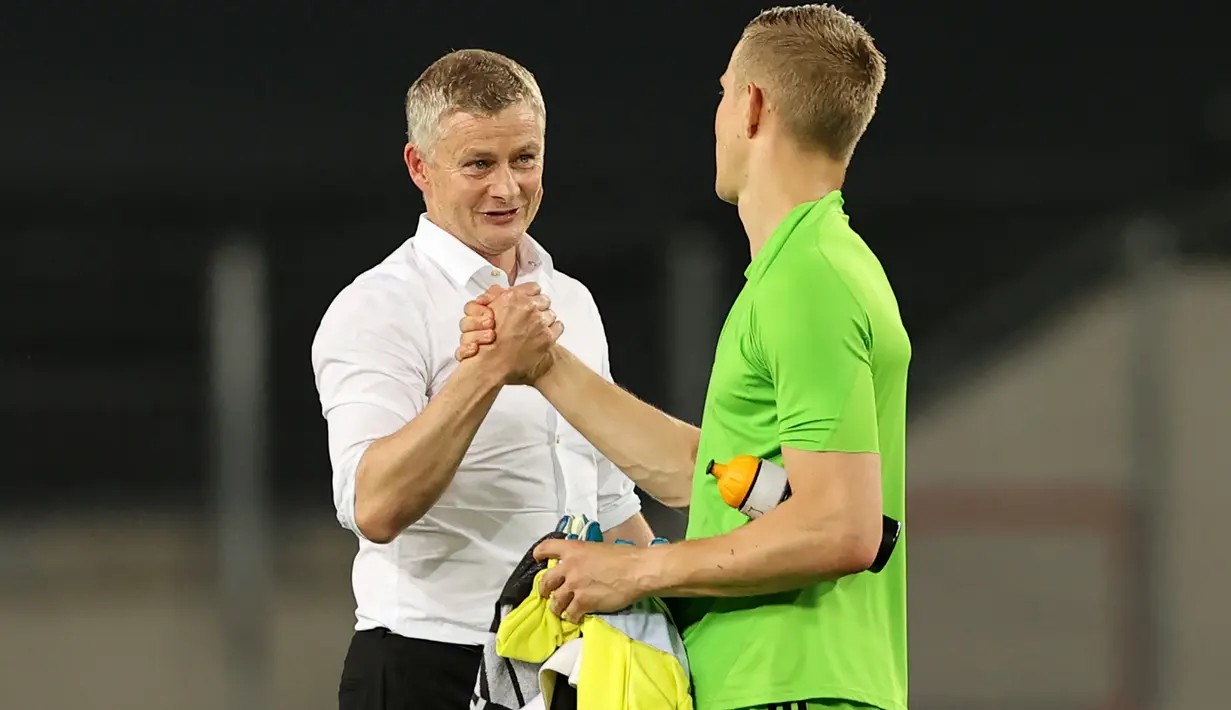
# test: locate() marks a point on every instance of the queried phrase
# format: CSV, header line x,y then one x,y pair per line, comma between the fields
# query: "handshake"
x,y
513,331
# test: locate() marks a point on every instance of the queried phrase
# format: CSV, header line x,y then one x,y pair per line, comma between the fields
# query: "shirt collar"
x,y
461,263
756,268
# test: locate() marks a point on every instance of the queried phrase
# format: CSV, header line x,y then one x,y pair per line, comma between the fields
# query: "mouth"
x,y
501,216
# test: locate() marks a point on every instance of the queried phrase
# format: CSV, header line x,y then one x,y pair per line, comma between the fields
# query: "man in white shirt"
x,y
449,472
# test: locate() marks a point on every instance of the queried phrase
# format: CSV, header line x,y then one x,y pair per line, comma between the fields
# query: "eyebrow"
x,y
532,146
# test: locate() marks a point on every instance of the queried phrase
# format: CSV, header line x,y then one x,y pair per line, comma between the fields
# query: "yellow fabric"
x,y
617,672
530,632
620,673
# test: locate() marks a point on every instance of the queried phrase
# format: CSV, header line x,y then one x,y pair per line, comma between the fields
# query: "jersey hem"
x,y
789,694
440,631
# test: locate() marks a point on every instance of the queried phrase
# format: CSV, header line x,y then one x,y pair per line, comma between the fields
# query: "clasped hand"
x,y
591,577
513,329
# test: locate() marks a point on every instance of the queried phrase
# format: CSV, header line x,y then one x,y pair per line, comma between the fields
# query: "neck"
x,y
506,260
781,178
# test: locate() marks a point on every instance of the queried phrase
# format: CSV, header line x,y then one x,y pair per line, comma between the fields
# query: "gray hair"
x,y
471,80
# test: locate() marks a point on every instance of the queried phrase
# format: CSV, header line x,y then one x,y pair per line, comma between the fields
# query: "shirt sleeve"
x,y
812,339
369,388
617,495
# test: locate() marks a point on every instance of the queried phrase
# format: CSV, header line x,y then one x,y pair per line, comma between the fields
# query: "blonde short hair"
x,y
475,81
820,70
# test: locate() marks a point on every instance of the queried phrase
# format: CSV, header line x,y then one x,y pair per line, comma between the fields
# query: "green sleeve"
x,y
812,339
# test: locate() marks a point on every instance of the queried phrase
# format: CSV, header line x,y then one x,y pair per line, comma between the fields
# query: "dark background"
x,y
138,135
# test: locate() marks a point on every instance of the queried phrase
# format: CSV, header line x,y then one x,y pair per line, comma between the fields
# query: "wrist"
x,y
543,376
486,378
656,570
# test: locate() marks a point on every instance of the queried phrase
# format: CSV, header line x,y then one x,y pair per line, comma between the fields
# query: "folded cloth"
x,y
632,659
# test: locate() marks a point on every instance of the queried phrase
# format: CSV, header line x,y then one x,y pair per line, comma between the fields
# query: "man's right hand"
x,y
513,329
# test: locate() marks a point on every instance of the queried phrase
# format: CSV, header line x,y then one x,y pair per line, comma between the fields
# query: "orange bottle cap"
x,y
735,478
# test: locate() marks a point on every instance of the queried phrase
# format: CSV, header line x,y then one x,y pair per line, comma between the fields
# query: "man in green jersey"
x,y
810,372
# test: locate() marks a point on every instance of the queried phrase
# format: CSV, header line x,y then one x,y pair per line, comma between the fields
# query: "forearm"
x,y
636,530
787,548
657,451
401,476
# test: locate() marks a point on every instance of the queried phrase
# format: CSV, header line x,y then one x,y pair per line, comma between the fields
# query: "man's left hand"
x,y
591,577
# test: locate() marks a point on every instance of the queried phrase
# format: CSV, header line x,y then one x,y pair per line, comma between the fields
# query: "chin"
x,y
502,238
509,232
722,188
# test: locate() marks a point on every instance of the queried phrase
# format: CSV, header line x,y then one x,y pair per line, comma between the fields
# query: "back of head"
x,y
473,81
820,71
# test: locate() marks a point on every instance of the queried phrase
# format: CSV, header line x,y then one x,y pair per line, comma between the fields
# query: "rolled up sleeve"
x,y
617,496
370,386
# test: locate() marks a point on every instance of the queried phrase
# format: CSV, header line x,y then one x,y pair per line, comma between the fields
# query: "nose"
x,y
503,184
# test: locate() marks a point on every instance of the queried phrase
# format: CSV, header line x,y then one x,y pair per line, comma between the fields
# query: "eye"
x,y
479,164
526,158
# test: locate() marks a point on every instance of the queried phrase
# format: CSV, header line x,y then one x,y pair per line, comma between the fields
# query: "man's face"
x,y
730,147
484,179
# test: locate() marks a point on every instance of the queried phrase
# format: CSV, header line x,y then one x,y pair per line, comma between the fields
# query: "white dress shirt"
x,y
383,350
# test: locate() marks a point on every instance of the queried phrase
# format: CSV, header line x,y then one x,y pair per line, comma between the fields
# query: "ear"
x,y
756,109
416,165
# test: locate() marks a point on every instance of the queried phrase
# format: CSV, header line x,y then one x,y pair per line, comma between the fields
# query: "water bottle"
x,y
754,486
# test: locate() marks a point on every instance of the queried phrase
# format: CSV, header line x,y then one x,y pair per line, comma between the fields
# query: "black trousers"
x,y
384,671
